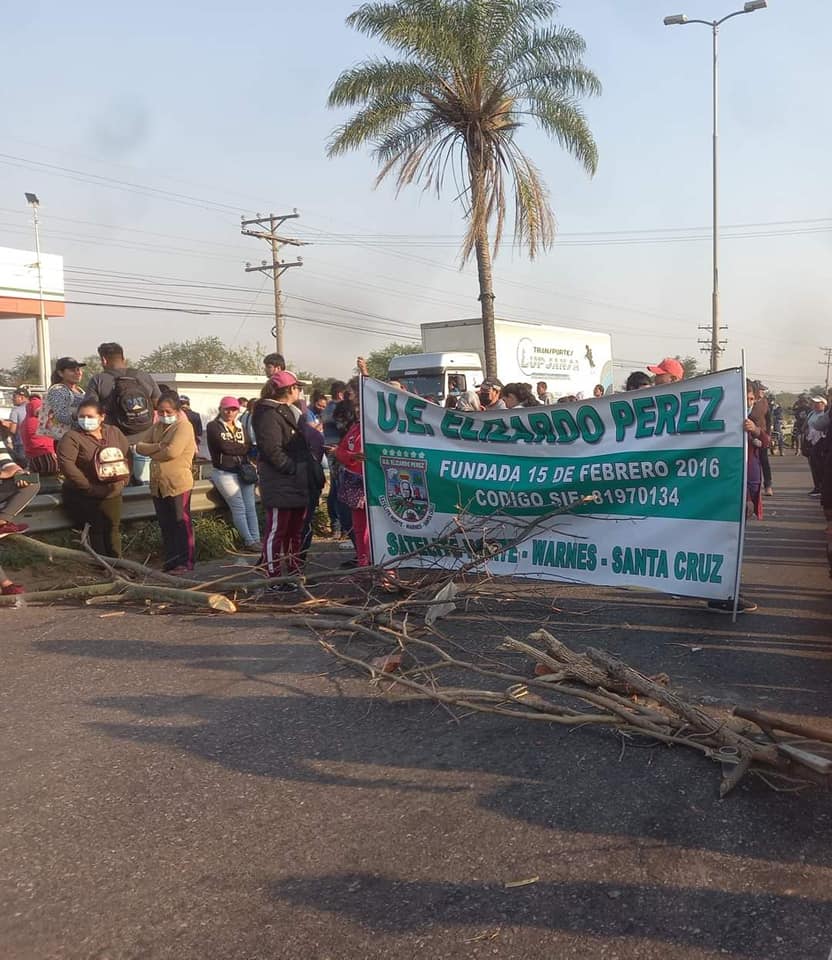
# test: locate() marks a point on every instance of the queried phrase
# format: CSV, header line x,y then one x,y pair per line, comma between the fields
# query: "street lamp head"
x,y
753,5
675,19
32,198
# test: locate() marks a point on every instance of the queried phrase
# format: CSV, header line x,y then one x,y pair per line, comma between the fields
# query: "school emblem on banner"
x,y
406,496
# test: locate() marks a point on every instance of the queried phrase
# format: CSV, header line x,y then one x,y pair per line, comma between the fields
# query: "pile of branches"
x,y
594,688
407,657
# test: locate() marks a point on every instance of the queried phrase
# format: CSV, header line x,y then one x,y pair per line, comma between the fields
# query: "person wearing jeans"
x,y
229,447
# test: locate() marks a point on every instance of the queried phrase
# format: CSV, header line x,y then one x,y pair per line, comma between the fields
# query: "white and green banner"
x,y
664,468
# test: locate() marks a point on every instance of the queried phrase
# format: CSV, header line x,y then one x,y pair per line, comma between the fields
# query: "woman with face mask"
x,y
170,447
234,475
92,456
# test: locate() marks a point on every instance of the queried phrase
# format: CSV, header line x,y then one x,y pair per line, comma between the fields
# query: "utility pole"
x,y
41,326
269,232
826,363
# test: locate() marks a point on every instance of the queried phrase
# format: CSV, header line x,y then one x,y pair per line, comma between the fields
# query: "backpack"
x,y
111,465
130,405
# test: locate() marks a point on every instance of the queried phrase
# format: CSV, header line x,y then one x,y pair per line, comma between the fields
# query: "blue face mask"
x,y
168,418
88,423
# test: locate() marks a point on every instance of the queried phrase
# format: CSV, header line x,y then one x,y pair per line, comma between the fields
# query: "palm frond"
x,y
379,78
564,121
367,125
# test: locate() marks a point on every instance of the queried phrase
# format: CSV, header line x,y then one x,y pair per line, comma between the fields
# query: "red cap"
x,y
283,379
229,403
669,365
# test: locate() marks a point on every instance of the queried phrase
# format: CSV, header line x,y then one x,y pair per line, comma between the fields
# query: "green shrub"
x,y
214,536
320,521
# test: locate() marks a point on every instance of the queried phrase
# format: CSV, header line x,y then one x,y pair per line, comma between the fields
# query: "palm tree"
x,y
468,75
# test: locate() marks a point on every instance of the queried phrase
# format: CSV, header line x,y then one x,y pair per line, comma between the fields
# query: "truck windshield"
x,y
430,386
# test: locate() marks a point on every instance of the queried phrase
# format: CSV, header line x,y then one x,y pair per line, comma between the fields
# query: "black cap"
x,y
490,383
64,363
23,391
183,398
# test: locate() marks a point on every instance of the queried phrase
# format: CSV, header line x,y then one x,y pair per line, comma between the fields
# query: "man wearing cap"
x,y
816,442
15,421
668,371
489,393
194,418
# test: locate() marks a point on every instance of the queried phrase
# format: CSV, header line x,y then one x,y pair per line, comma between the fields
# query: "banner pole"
x,y
361,381
743,501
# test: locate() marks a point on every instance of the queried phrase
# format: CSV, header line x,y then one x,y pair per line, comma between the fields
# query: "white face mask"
x,y
168,418
88,423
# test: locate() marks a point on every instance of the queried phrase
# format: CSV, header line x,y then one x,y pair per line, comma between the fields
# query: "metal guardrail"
x,y
45,513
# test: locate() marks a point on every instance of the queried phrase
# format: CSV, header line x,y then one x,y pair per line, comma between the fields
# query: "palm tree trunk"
x,y
486,297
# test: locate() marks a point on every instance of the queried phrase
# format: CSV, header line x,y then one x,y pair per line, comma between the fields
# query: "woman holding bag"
x,y
60,406
170,447
234,474
93,459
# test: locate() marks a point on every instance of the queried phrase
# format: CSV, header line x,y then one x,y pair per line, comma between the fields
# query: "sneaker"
x,y
253,546
12,590
814,493
8,527
727,606
345,544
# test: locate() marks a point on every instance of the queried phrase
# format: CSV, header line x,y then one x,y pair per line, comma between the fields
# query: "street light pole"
x,y
680,20
715,294
41,328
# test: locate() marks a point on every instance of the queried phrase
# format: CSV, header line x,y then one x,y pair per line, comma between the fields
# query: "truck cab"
x,y
436,376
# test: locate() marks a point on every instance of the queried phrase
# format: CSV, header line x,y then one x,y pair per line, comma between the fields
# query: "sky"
x,y
148,130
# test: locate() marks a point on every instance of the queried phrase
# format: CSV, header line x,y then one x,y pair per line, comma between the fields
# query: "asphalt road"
x,y
197,787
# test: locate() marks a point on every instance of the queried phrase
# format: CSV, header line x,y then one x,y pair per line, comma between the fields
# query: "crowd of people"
x,y
101,439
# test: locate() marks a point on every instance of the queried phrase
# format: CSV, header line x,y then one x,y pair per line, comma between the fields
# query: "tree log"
x,y
770,721
697,718
67,553
80,593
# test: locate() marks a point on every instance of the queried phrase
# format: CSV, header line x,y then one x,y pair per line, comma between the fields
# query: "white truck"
x,y
569,361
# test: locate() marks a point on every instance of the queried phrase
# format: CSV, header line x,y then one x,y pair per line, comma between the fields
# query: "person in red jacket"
x,y
350,454
40,451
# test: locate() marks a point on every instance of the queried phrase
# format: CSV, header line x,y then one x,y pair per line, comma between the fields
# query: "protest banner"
x,y
665,468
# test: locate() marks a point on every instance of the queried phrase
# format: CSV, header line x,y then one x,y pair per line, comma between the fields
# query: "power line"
x,y
113,183
319,321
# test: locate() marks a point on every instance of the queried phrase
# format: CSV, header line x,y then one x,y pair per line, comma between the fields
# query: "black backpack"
x,y
130,406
